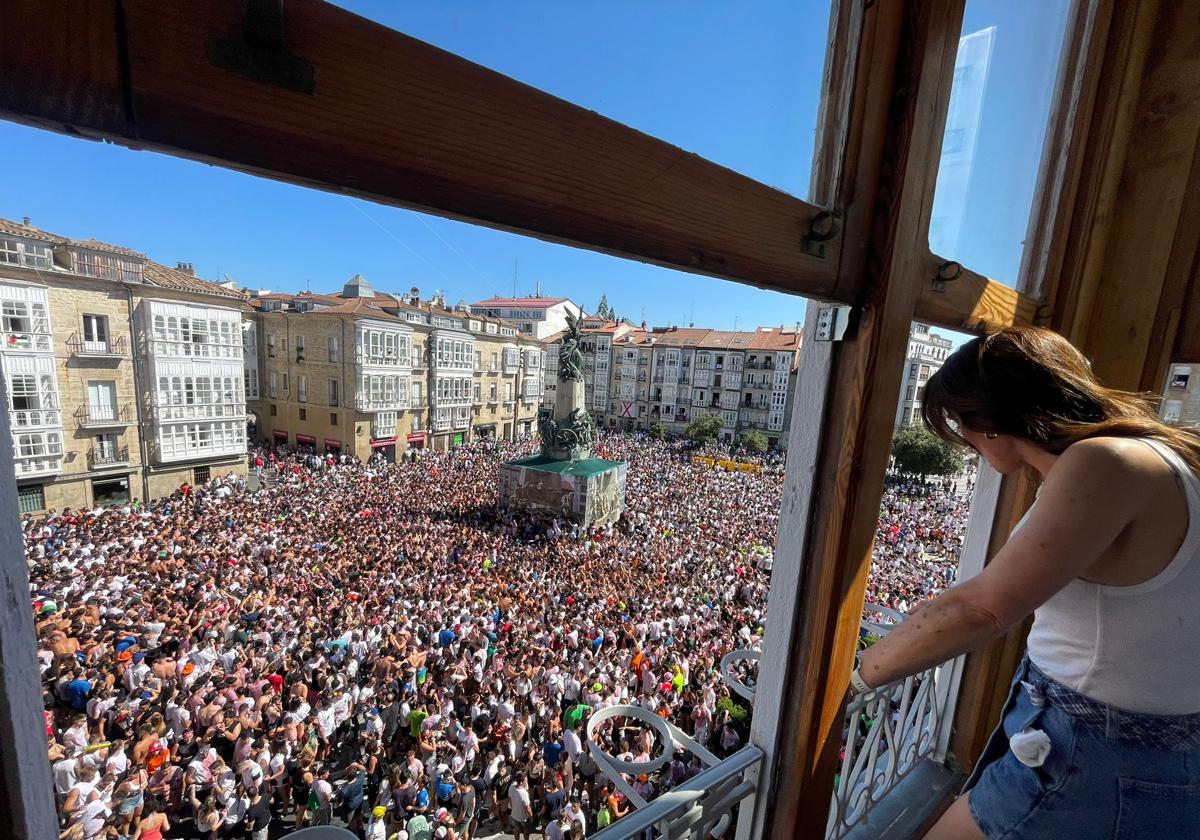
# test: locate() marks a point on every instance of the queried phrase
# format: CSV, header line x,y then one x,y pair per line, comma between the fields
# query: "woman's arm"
x,y
1090,495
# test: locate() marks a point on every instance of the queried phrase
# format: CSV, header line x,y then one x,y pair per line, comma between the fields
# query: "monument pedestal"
x,y
590,491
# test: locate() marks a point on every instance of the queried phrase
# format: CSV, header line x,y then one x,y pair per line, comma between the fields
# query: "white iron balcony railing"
x,y
688,811
891,730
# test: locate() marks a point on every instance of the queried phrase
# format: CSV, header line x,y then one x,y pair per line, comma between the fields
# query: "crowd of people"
x,y
382,646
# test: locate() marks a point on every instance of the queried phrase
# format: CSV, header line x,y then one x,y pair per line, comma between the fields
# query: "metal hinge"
x,y
260,53
832,323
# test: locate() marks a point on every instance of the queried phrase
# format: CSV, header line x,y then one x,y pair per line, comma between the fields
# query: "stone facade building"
x,y
533,316
124,377
367,372
1180,404
636,377
927,352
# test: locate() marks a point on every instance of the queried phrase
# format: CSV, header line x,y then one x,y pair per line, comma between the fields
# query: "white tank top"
x,y
1135,647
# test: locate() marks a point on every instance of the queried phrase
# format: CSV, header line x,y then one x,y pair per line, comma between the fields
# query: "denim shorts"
x,y
1094,783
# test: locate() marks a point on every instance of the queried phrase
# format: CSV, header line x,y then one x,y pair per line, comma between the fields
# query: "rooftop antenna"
x,y
735,323
538,289
308,285
692,312
516,264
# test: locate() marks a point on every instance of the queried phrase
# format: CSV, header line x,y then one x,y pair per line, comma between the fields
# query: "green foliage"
x,y
604,310
658,431
738,714
755,441
919,451
704,429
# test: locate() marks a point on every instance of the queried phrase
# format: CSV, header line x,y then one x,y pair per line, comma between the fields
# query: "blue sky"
x,y
736,83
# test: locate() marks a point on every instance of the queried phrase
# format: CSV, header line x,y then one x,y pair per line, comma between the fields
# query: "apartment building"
x,y
927,352
636,377
123,376
1180,405
367,372
533,316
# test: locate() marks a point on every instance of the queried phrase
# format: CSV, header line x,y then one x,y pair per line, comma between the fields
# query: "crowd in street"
x,y
382,646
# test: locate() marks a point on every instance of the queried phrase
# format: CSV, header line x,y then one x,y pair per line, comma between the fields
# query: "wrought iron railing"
x,y
688,811
93,415
890,731
80,346
109,457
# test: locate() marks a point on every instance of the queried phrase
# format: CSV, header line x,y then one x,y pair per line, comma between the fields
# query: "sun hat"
x,y
378,811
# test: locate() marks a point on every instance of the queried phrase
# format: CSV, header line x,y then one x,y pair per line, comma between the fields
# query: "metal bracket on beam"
x,y
822,228
946,272
260,53
832,323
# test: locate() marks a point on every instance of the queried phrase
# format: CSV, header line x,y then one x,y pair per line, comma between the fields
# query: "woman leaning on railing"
x,y
1100,736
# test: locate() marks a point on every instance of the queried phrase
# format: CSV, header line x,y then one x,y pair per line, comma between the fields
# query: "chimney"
x,y
186,267
414,296
25,222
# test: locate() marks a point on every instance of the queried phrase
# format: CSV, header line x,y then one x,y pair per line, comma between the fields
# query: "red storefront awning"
x,y
280,434
305,438
416,437
382,442
330,442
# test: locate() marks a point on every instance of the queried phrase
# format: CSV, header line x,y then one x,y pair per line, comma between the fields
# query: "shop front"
x,y
457,438
485,431
333,447
110,491
280,437
385,447
416,440
306,443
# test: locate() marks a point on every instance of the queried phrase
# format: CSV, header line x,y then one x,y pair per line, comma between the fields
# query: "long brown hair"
x,y
1032,383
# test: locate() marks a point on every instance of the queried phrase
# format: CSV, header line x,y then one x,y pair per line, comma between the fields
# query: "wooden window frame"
x,y
515,158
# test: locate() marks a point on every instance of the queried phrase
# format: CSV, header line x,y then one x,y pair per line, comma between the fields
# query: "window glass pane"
x,y
1004,81
738,88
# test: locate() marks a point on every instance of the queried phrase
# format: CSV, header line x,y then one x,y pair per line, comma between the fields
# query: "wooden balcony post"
x,y
909,50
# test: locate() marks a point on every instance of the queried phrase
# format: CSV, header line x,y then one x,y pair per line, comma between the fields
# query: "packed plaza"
x,y
381,646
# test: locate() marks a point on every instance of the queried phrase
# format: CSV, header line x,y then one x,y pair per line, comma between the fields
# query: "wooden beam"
x,y
971,302
920,37
1148,219
401,122
1083,224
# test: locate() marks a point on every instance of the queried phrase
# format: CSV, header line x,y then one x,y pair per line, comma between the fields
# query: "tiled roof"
x,y
366,307
97,245
173,278
526,302
30,232
773,338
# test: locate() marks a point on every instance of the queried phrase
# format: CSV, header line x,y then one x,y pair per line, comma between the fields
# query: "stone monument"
x,y
564,479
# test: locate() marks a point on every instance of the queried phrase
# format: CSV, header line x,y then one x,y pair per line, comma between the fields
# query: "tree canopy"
x,y
755,441
919,451
704,429
605,310
658,431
